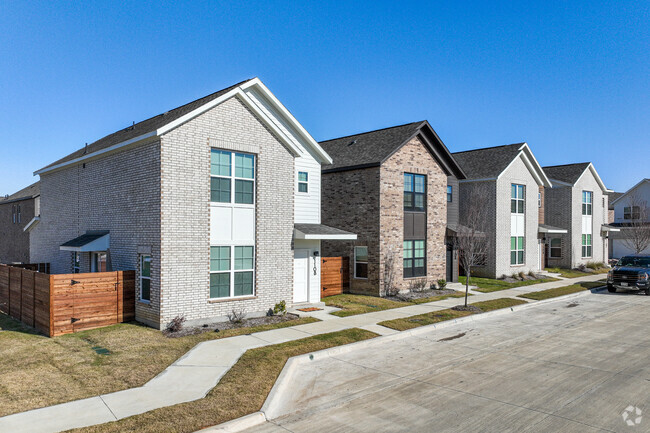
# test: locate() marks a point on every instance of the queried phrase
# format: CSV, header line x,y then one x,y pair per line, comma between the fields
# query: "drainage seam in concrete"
x,y
109,409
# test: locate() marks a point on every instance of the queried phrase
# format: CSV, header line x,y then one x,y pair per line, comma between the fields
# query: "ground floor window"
x,y
516,250
232,271
145,278
414,258
556,248
360,262
76,262
586,246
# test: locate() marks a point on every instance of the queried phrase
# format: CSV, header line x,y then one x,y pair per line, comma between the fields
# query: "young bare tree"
x,y
390,289
472,243
636,234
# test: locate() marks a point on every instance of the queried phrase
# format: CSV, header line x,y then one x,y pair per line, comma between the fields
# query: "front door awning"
x,y
543,228
98,240
321,231
609,228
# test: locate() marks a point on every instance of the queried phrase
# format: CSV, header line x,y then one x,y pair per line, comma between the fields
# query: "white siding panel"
x,y
307,206
243,225
220,225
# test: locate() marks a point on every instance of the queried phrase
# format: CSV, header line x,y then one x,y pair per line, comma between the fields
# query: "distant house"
x,y
577,202
19,214
216,204
395,188
511,182
611,198
626,214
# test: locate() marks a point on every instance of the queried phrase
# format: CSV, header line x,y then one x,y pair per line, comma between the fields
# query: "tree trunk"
x,y
467,286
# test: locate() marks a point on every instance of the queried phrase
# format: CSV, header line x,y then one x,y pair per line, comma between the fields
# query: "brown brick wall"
x,y
541,208
413,157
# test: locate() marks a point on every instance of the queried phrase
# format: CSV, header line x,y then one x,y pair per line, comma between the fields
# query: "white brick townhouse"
x,y
511,180
216,204
577,202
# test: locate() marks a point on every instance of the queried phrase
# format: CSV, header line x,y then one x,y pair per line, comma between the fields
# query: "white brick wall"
x,y
185,226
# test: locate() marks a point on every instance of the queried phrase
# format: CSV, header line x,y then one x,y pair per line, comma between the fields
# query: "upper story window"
x,y
631,212
303,181
587,202
517,198
19,218
13,214
414,192
228,168
539,199
450,191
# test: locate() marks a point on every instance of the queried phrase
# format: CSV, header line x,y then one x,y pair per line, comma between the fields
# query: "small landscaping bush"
x,y
442,284
176,324
522,276
595,265
432,286
418,285
236,317
280,309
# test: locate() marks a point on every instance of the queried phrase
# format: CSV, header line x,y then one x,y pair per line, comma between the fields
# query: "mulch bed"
x,y
405,297
222,326
471,308
310,309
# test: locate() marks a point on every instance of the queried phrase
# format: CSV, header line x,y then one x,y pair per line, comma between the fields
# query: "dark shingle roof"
x,y
372,148
28,192
487,163
611,197
319,229
367,148
86,238
145,126
569,173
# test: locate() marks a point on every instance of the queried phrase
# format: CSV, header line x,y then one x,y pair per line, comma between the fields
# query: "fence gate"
x,y
335,275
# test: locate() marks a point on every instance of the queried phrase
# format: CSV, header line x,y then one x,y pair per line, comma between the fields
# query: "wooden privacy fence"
x,y
334,275
66,303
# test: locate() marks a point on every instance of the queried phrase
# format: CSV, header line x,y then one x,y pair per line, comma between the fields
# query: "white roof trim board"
x,y
33,223
242,92
599,181
608,228
631,189
549,229
535,169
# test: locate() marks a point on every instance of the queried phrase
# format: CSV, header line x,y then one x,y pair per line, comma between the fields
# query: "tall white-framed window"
x,y
556,248
232,177
587,202
232,271
517,198
361,262
303,182
145,278
76,262
539,199
516,250
586,246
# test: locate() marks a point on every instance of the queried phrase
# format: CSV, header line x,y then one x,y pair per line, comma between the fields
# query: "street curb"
x,y
271,408
237,425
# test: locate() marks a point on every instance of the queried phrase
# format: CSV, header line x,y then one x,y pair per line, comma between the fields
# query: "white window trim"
x,y
303,182
551,248
588,203
142,277
232,273
355,262
517,251
234,178
583,246
517,198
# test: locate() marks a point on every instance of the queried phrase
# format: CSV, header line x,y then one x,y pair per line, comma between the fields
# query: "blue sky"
x,y
570,78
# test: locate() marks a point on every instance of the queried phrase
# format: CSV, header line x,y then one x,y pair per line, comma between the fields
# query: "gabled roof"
x,y
31,191
569,174
371,149
253,93
630,190
490,162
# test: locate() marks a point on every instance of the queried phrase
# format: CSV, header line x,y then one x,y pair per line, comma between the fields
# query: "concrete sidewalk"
x,y
192,376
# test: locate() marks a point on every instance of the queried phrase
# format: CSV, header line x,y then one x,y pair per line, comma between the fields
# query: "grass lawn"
x,y
359,304
37,371
560,291
240,392
574,273
442,315
487,285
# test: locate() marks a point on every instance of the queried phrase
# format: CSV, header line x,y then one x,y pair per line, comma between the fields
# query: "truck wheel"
x,y
647,292
611,289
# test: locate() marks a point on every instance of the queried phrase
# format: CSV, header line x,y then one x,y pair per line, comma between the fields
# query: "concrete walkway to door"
x,y
193,375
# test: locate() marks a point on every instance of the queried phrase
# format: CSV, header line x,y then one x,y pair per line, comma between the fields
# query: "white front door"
x,y
301,276
540,255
